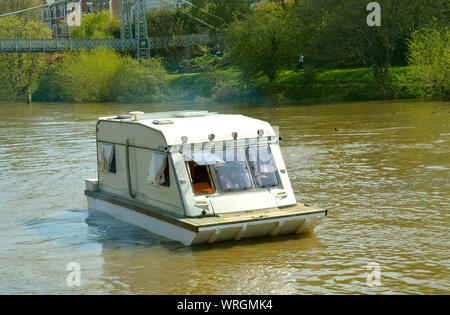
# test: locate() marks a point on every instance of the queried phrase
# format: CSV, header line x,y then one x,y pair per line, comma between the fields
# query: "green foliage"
x,y
404,85
101,25
167,22
7,6
143,81
211,86
221,13
330,34
264,41
102,75
89,76
19,71
48,88
207,61
430,58
347,85
21,28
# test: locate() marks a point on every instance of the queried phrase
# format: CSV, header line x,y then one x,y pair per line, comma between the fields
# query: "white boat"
x,y
196,177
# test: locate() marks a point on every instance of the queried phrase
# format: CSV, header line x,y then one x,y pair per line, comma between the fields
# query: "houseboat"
x,y
196,177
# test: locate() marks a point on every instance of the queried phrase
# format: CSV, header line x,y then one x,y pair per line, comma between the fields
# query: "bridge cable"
x,y
32,8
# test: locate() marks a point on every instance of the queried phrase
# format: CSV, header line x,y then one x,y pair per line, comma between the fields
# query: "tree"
x,y
264,41
221,13
430,58
338,33
167,22
89,76
103,75
100,25
7,6
143,81
19,71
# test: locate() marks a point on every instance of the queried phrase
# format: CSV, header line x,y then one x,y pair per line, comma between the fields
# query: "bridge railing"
x,y
57,45
53,45
180,40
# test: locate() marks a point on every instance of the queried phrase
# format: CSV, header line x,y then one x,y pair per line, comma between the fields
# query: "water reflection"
x,y
246,266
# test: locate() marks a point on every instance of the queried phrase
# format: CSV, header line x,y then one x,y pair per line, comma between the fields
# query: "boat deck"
x,y
258,215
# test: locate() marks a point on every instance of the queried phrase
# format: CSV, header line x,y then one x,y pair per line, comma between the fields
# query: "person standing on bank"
x,y
300,61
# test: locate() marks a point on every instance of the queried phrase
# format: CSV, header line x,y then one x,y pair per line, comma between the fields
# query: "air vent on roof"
x,y
162,122
192,114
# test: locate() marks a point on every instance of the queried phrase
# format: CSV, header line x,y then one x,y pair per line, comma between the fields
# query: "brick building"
x,y
55,15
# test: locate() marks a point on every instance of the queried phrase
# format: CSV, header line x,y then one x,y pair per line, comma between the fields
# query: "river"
x,y
381,168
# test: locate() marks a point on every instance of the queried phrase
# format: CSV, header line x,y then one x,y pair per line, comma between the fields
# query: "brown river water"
x,y
381,168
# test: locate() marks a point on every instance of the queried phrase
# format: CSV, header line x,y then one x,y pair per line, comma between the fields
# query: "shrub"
x,y
144,81
430,58
265,41
90,76
102,75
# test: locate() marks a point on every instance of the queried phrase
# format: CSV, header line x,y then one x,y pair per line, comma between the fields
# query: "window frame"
x,y
247,167
211,177
167,167
269,150
215,180
113,164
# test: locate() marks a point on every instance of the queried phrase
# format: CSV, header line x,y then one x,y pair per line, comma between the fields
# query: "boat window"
x,y
233,175
202,157
158,170
107,158
201,178
262,166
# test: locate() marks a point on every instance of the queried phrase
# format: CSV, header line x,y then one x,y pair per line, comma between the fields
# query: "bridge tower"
x,y
136,8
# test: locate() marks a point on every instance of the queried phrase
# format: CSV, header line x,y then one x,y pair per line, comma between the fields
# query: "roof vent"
x,y
192,114
162,121
136,114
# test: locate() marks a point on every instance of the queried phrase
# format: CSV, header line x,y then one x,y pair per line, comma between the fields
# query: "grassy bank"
x,y
304,85
348,85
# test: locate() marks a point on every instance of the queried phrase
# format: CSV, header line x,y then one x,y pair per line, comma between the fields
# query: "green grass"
x,y
345,84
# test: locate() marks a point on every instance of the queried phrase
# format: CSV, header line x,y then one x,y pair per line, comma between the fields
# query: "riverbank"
x,y
303,85
130,82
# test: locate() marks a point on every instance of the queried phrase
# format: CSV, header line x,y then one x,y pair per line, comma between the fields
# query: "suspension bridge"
x,y
54,14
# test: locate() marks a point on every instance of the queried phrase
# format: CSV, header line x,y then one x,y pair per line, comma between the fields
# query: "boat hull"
x,y
191,231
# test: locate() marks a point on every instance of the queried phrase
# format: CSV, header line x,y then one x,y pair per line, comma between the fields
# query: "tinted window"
x,y
233,175
262,167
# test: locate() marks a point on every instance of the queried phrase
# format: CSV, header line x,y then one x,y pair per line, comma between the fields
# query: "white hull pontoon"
x,y
189,231
227,183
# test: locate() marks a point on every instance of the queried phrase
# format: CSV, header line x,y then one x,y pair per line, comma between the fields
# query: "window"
x,y
61,12
107,158
90,7
158,170
201,178
262,167
233,175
